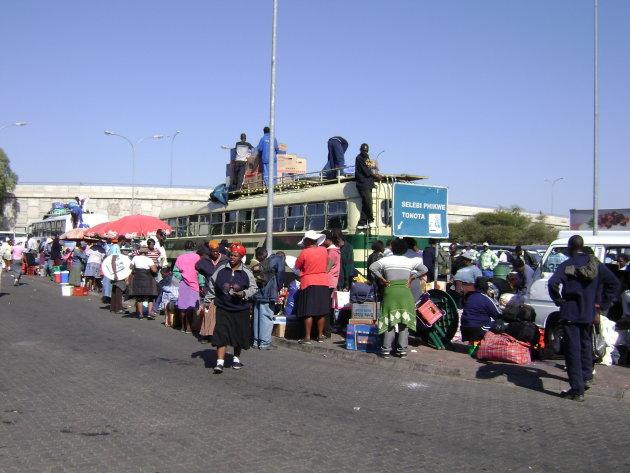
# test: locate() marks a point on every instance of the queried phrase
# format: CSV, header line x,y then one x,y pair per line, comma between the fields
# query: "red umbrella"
x,y
95,230
134,226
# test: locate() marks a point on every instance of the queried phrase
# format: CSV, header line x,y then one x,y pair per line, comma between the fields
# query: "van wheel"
x,y
554,333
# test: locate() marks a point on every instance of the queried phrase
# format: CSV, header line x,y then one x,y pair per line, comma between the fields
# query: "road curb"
x,y
527,380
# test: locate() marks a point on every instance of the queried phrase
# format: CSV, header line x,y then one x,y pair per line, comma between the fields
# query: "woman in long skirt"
x,y
143,285
314,299
398,313
232,288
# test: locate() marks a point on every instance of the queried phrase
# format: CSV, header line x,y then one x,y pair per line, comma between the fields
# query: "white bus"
x,y
298,207
57,224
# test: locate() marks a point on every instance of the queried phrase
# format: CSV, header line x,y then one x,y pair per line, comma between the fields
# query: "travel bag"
x,y
505,348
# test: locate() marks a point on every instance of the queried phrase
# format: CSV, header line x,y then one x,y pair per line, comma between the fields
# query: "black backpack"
x,y
516,311
524,331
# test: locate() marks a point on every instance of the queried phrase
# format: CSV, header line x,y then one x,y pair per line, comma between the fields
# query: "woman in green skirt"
x,y
398,312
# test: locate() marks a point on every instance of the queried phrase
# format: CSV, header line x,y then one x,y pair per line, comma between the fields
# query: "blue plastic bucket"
x,y
64,276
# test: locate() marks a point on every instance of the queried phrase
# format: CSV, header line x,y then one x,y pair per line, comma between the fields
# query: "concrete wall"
x,y
34,201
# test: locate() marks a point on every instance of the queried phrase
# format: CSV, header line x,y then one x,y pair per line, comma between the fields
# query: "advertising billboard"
x,y
608,219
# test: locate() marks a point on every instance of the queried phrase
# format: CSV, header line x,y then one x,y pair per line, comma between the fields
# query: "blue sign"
x,y
420,211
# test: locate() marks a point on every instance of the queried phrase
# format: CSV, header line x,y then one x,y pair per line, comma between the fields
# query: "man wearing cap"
x,y
522,281
466,275
488,260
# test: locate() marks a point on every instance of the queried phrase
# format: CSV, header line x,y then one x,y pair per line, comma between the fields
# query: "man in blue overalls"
x,y
263,150
588,287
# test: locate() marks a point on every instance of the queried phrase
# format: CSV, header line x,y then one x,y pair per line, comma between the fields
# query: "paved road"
x,y
85,391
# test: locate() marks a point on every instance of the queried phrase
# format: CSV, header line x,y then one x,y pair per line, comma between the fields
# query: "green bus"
x,y
298,207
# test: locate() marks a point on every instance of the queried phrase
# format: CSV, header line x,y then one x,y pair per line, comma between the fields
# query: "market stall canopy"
x,y
133,226
94,231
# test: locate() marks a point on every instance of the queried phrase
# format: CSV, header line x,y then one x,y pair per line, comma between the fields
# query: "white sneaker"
x,y
372,224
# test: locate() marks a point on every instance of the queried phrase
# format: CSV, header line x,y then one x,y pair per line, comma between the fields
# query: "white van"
x,y
606,247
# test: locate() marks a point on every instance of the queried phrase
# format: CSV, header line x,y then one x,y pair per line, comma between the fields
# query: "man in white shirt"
x,y
243,151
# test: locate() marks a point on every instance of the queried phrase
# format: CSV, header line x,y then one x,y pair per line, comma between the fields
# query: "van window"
x,y
612,253
556,257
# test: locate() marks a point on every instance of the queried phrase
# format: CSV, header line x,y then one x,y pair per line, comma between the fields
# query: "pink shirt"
x,y
334,253
186,264
313,264
17,251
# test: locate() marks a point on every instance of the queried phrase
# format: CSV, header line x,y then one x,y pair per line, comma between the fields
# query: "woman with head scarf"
x,y
210,260
232,287
314,296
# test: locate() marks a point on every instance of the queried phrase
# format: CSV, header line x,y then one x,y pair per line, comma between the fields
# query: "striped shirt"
x,y
398,267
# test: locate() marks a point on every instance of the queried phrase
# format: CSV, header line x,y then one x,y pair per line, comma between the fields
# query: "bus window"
x,y
181,227
315,216
278,219
244,221
337,215
193,225
216,223
204,225
295,218
172,222
230,223
386,212
260,220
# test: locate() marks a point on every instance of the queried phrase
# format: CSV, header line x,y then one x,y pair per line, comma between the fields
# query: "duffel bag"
x,y
361,292
504,347
524,331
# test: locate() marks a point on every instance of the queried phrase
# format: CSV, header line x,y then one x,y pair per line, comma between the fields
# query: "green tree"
x,y
503,227
8,180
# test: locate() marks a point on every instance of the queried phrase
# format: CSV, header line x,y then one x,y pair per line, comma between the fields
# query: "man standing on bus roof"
x,y
337,146
364,175
263,150
242,151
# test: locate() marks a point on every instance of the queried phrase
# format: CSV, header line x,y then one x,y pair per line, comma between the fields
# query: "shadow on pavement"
x,y
208,356
522,376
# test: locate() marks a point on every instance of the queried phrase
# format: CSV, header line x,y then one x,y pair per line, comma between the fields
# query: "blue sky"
x,y
487,97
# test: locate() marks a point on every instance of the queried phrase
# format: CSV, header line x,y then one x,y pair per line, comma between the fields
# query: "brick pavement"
x,y
85,391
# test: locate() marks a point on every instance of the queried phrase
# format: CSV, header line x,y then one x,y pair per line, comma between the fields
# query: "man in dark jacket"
x,y
588,286
364,176
269,274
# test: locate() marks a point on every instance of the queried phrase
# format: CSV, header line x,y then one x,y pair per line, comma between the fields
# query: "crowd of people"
x,y
210,292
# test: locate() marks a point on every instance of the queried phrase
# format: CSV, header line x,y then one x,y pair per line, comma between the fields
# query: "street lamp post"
x,y
133,162
272,132
12,124
553,184
172,140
